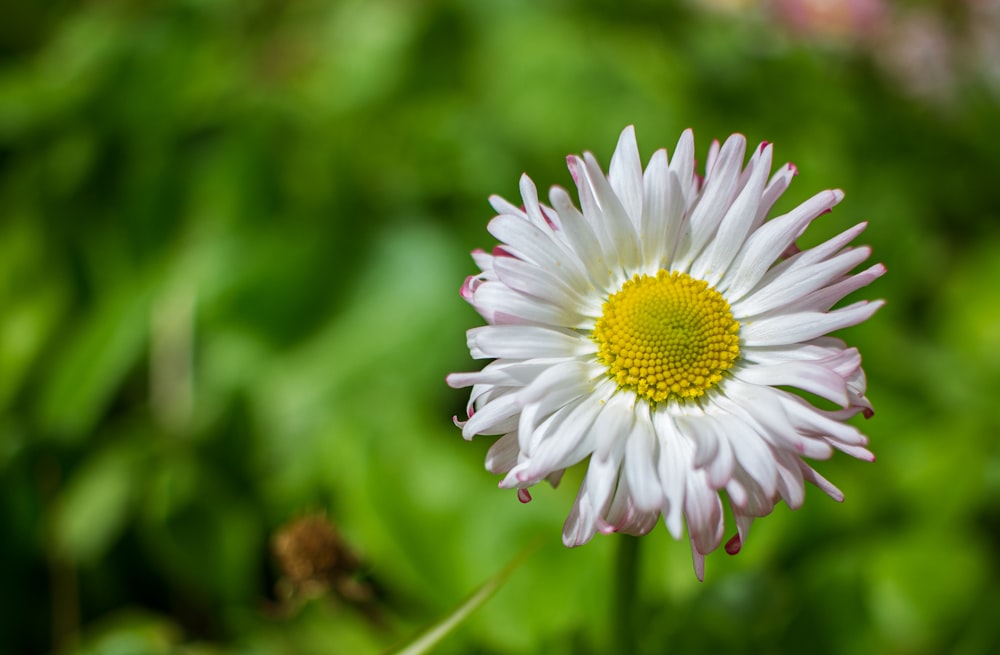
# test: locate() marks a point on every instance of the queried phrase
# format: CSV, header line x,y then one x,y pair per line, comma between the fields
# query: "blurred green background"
x,y
232,234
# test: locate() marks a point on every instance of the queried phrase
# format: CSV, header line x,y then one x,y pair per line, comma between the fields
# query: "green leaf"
x,y
92,509
99,353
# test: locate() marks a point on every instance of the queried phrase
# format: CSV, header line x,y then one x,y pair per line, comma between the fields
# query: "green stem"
x,y
626,585
427,640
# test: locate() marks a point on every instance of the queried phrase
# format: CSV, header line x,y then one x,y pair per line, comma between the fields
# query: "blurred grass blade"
x,y
433,634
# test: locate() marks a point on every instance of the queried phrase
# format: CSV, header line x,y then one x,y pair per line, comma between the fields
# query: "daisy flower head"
x,y
656,331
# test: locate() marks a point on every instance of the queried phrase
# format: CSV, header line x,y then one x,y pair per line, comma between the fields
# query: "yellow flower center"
x,y
668,336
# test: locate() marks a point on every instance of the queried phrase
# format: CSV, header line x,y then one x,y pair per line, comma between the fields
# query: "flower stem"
x,y
626,583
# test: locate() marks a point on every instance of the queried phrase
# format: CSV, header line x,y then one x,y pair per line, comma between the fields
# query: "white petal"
x,y
657,219
592,500
484,420
735,225
595,217
526,342
625,175
537,245
743,524
828,488
817,422
706,446
502,455
803,326
807,376
536,281
581,524
501,305
552,390
770,409
703,512
790,483
483,260
777,185
602,477
503,206
823,299
698,560
500,373
620,228
568,441
614,422
759,501
532,208
756,458
827,248
820,349
713,156
790,287
581,237
720,188
769,241
682,166
752,452
719,468
857,452
640,454
623,516
737,493
674,466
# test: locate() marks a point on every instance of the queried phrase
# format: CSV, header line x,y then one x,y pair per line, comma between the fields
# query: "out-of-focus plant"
x,y
229,239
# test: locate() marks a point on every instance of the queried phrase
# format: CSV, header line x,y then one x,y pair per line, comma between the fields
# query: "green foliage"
x,y
231,237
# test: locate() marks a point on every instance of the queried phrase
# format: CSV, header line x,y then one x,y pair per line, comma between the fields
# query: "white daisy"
x,y
655,331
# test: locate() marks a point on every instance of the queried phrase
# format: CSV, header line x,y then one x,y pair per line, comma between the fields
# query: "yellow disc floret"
x,y
667,337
